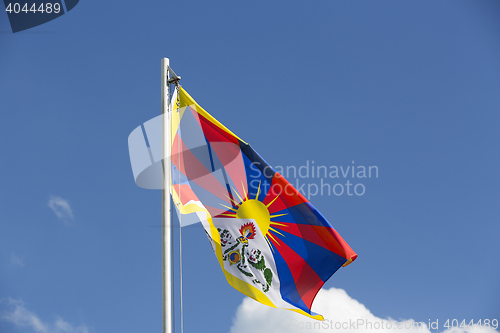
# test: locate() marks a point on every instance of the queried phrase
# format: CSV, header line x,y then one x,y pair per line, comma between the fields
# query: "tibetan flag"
x,y
271,243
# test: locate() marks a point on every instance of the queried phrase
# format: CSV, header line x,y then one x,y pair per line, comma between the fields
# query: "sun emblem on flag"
x,y
254,209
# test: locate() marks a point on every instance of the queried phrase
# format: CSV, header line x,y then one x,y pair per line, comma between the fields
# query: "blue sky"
x,y
410,87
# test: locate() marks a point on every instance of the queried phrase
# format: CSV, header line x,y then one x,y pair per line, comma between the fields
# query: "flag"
x,y
270,242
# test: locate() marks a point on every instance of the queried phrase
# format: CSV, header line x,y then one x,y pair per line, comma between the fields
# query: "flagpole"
x,y
166,206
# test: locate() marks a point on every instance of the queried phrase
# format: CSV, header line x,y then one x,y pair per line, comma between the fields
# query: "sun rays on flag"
x,y
255,209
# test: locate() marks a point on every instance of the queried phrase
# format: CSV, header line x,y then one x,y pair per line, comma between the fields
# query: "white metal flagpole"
x,y
166,207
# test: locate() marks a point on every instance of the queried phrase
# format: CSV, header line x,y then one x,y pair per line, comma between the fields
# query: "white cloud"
x,y
341,312
21,317
62,209
16,260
